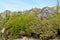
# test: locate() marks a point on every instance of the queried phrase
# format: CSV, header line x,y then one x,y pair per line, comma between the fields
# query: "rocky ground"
x,y
26,38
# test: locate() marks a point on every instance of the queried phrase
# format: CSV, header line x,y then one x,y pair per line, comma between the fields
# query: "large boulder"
x,y
45,13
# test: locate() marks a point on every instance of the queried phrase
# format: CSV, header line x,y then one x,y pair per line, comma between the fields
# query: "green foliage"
x,y
0,36
1,21
55,21
1,17
50,27
18,23
33,27
44,28
29,24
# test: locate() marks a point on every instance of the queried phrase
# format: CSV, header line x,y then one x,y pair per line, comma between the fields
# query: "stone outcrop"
x,y
45,13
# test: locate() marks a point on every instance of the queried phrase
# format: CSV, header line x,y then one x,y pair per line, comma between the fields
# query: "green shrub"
x,y
33,27
31,24
50,27
18,23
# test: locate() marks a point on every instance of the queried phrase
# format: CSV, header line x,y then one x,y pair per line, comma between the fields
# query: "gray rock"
x,y
45,13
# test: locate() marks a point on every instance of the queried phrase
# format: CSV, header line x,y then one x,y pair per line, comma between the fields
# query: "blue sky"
x,y
20,5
